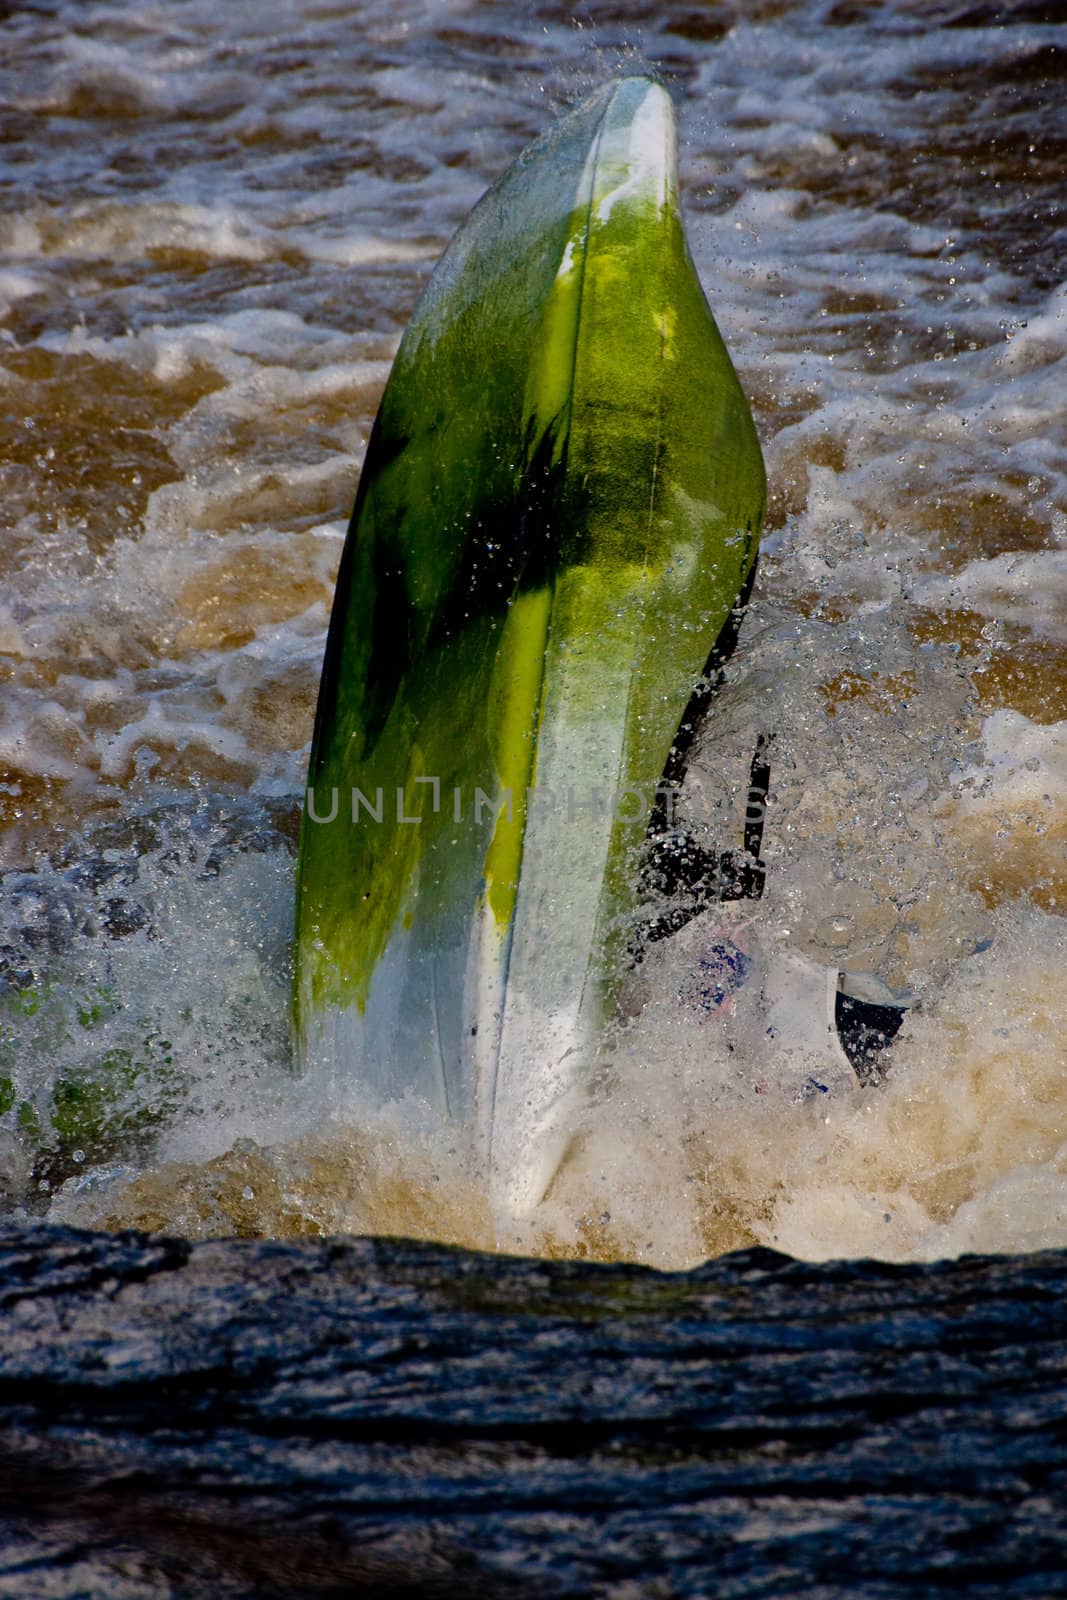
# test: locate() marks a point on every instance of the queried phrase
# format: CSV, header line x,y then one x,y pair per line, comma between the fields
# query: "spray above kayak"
x,y
559,510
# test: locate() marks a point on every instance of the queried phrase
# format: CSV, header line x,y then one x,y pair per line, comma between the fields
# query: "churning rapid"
x,y
215,225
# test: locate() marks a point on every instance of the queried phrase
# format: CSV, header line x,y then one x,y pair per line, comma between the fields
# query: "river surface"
x,y
214,223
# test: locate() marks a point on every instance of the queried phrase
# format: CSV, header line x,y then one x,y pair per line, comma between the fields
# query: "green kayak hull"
x,y
560,504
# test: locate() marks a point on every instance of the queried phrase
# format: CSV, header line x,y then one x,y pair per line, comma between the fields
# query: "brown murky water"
x,y
214,224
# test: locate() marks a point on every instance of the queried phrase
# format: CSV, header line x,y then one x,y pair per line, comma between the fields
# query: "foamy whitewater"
x,y
215,223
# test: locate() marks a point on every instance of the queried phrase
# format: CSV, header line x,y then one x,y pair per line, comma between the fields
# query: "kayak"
x,y
557,517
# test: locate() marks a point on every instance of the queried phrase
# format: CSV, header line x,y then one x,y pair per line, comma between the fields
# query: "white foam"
x,y
1028,588
15,286
1024,768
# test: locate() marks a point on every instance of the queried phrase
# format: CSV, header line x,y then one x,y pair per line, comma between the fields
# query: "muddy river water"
x,y
214,227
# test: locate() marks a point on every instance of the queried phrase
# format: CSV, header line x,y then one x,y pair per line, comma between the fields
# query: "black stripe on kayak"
x,y
677,867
